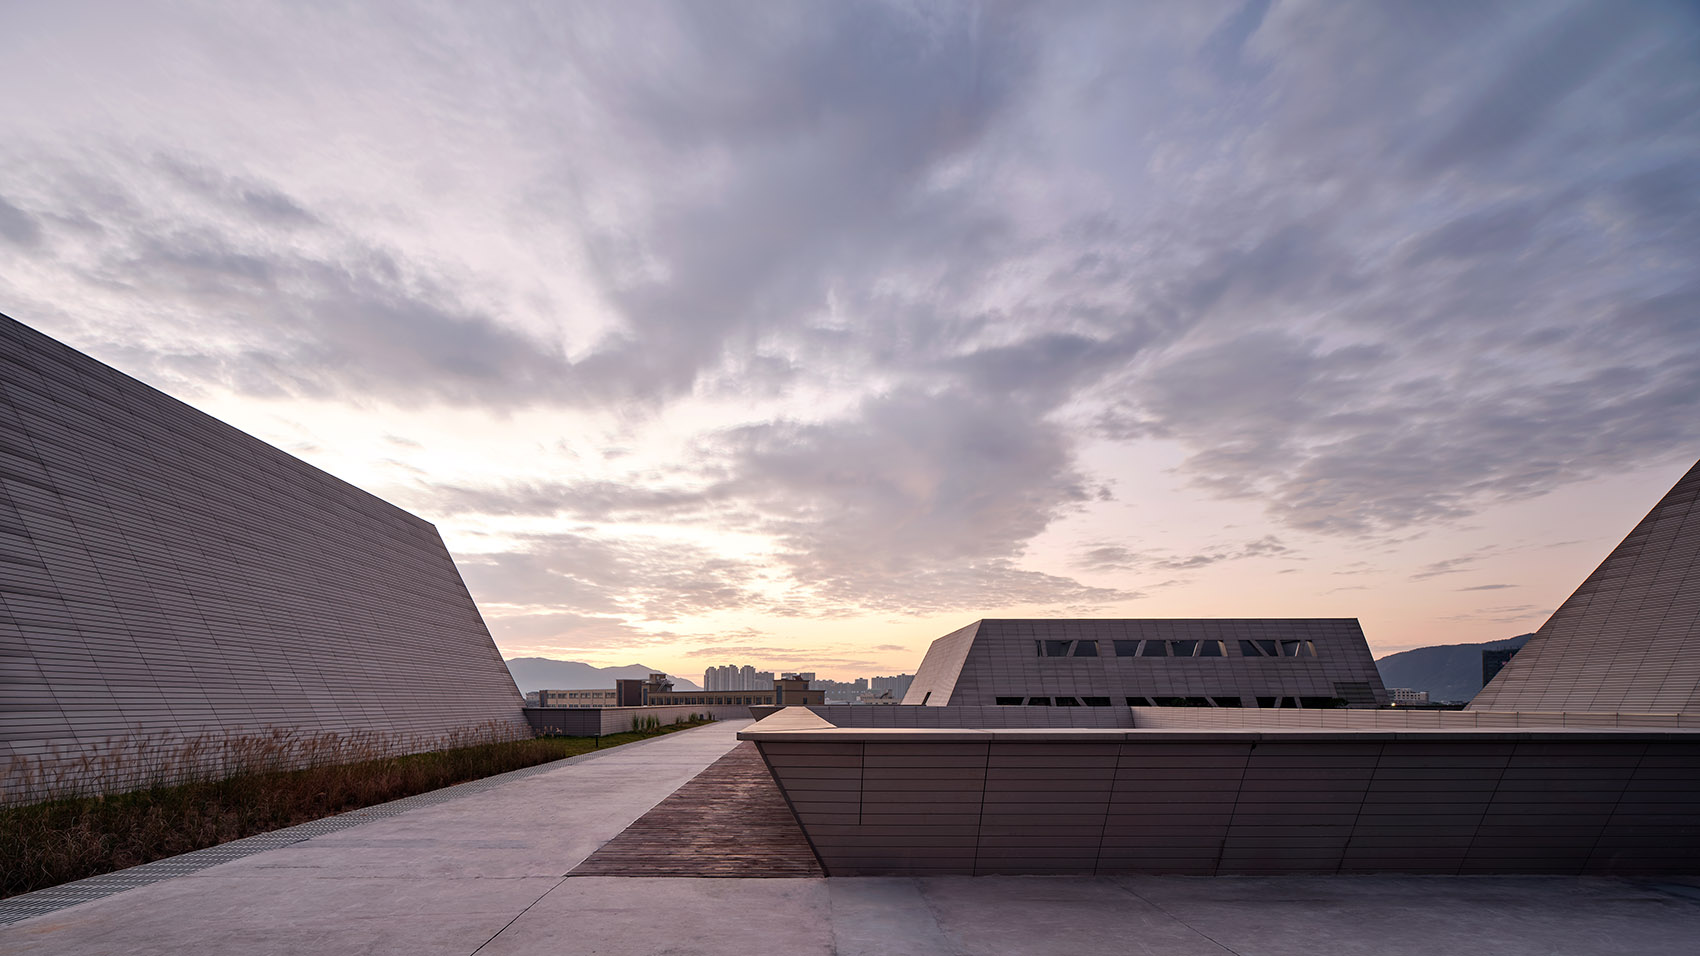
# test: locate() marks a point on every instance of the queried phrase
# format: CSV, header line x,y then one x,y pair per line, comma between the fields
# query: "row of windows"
x,y
1177,648
1309,703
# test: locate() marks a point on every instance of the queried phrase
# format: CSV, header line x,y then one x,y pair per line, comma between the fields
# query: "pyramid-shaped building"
x,y
1628,640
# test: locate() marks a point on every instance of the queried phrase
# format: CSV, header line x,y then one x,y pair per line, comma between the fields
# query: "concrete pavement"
x,y
485,874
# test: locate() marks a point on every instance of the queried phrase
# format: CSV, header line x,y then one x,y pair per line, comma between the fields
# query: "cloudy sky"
x,y
800,334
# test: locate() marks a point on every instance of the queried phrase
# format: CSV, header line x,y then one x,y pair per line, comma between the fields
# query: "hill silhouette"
x,y
1446,671
546,673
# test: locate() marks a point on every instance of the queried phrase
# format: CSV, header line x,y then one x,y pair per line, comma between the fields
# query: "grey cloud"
x,y
582,574
1549,66
591,500
561,631
1376,266
1118,558
18,226
1488,587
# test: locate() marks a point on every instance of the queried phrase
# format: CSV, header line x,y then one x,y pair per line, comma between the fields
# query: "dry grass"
x,y
265,783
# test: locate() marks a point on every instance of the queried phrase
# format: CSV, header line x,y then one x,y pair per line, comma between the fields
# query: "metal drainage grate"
x,y
54,898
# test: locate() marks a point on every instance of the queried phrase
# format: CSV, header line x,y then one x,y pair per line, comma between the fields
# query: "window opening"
x,y
1225,701
1127,648
1267,701
1009,701
1182,648
1038,702
1068,702
1212,649
1085,648
1154,649
1096,701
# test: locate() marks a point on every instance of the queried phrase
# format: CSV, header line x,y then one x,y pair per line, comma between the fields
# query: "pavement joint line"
x,y
517,916
54,898
1165,911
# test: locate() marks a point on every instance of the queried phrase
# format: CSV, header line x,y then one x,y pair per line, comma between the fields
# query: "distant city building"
x,y
1494,661
1405,695
898,685
735,677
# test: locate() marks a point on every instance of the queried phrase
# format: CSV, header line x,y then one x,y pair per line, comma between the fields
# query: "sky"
x,y
801,334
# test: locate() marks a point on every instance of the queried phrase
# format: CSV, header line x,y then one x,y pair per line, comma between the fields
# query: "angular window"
x,y
1212,649
1053,648
1294,649
1225,701
1068,702
1321,703
1267,701
1127,648
1250,649
1009,701
1197,702
1085,648
1182,648
1139,702
1310,648
1155,649
1096,701
1038,702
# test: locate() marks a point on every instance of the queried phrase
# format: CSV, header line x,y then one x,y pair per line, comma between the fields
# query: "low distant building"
x,y
1406,695
657,691
1213,662
570,698
876,697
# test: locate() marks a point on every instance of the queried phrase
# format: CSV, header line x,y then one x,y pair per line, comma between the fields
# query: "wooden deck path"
x,y
728,821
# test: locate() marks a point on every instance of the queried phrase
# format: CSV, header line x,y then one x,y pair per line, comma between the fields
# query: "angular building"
x,y
1220,662
164,577
1581,756
1628,640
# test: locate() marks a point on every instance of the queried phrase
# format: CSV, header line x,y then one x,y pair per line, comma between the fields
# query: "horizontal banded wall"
x,y
1211,804
166,577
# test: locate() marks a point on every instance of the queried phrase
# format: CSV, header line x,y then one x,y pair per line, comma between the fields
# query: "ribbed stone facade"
x,y
165,576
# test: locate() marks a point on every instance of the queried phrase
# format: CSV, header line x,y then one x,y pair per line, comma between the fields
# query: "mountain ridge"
x,y
548,673
1446,671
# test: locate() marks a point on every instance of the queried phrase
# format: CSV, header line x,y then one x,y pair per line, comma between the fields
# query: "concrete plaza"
x,y
487,874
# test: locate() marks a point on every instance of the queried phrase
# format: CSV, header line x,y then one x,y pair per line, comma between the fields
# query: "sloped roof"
x,y
1628,639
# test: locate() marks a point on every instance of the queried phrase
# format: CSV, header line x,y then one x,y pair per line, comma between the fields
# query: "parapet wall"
x,y
602,721
1219,801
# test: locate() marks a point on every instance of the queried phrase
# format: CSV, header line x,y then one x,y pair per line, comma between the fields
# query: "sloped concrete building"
x,y
1628,640
1581,756
1206,662
164,576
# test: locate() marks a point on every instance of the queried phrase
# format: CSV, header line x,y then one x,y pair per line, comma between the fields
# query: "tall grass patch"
x,y
55,841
